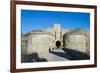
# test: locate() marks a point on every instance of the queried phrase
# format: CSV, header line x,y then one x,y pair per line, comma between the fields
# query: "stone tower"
x,y
57,31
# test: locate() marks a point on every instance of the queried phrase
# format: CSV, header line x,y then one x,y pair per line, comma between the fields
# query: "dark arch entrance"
x,y
58,44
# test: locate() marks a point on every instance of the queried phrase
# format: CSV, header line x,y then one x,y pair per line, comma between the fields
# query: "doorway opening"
x,y
58,44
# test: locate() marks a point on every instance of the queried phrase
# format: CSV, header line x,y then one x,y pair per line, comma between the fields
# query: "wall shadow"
x,y
71,54
32,58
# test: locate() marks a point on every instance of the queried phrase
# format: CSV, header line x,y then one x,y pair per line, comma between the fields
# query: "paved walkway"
x,y
52,56
55,55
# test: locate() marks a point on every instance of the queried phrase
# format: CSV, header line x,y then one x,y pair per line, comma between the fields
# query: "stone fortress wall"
x,y
42,40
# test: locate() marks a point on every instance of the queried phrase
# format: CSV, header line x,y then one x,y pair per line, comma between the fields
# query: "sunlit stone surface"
x,y
41,41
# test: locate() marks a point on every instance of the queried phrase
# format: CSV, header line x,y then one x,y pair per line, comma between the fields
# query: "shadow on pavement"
x,y
32,58
71,54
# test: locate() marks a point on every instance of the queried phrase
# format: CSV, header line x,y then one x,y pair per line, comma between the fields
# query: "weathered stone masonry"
x,y
44,39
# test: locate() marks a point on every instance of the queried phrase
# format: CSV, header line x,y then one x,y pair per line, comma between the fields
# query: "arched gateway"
x,y
58,44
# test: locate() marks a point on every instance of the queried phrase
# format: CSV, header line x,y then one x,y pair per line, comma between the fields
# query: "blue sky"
x,y
34,20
